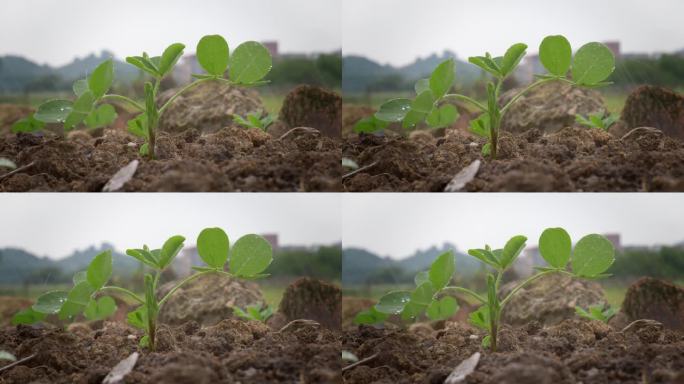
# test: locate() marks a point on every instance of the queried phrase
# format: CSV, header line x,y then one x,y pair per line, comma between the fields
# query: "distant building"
x,y
272,47
614,46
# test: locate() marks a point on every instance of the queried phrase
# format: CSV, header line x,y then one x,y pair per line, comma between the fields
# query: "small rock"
x,y
655,299
313,299
657,107
467,366
311,106
462,178
120,178
123,368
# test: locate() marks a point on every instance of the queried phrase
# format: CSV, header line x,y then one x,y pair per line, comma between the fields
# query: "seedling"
x,y
592,64
254,312
598,120
254,120
592,256
249,257
596,312
247,65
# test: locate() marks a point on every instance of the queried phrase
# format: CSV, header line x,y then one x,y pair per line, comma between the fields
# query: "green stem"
x,y
529,88
467,292
183,90
124,291
528,281
466,99
182,283
125,99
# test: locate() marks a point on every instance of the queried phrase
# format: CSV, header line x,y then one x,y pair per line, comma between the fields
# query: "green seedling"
x,y
254,120
249,257
596,312
247,65
592,256
254,312
598,120
370,124
592,64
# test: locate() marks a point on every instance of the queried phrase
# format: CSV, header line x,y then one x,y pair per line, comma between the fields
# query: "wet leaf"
x,y
50,302
393,302
212,54
250,256
394,110
555,54
555,247
423,103
212,247
249,63
54,111
422,296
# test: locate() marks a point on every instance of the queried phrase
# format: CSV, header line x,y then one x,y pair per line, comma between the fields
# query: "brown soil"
x,y
574,351
572,159
232,351
231,159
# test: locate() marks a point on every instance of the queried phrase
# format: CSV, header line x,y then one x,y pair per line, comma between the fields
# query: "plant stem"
x,y
183,90
467,292
125,99
124,291
529,88
529,280
182,283
466,99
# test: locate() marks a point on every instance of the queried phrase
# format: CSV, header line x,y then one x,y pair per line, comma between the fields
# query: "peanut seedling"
x,y
254,312
592,256
254,120
598,120
592,64
596,312
247,65
249,257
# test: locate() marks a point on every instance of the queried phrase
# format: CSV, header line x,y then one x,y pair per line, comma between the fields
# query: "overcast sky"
x,y
56,31
397,31
56,224
397,224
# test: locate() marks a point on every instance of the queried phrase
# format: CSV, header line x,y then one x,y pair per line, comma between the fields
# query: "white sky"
x,y
56,31
56,224
397,31
397,224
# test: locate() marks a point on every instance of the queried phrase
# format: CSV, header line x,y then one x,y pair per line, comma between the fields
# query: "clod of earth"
x,y
311,299
311,106
655,299
658,107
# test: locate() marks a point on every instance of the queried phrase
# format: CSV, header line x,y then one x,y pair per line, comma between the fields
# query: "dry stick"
x,y
363,361
22,168
352,173
25,359
307,129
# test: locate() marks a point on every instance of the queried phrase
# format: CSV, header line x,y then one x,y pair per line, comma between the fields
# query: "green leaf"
x,y
100,309
213,54
555,54
80,276
423,103
421,277
442,78
412,311
74,119
202,269
393,302
443,116
144,149
480,318
413,118
80,87
104,115
512,58
212,246
422,296
421,86
593,255
50,302
442,269
249,63
393,110
594,62
251,255
138,126
27,316
512,250
485,63
138,317
144,341
169,250
486,341
143,256
486,149
4,355
84,104
100,269
484,256
555,247
370,317
101,79
54,111
170,57
27,124
143,64
442,309
76,301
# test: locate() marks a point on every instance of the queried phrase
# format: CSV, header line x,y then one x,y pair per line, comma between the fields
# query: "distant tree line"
x,y
665,263
324,70
323,263
666,70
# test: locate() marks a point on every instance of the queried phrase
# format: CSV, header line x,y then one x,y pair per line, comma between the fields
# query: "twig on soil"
x,y
20,169
365,167
362,361
25,359
298,322
306,129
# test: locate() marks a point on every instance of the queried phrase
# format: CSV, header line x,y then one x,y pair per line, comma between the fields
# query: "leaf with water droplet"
x,y
54,111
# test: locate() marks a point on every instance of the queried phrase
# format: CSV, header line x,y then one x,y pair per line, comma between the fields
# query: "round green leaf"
x,y
442,78
100,269
249,63
212,246
104,115
212,54
422,296
442,309
512,250
393,110
443,116
423,102
412,310
594,62
27,316
50,302
84,103
555,247
170,57
555,54
593,255
169,250
251,255
412,118
101,79
442,269
393,303
28,124
74,119
100,309
54,111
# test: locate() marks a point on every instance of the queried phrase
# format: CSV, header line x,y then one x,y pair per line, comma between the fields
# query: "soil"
x,y
573,351
232,351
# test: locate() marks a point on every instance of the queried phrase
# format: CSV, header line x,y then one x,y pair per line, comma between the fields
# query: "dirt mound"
x,y
207,300
208,107
573,351
311,106
229,352
312,299
9,305
11,113
572,159
658,107
550,107
655,299
231,159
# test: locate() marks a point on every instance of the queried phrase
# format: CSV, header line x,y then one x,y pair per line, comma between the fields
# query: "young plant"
x,y
592,255
598,120
596,312
249,257
254,312
254,120
247,65
592,64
